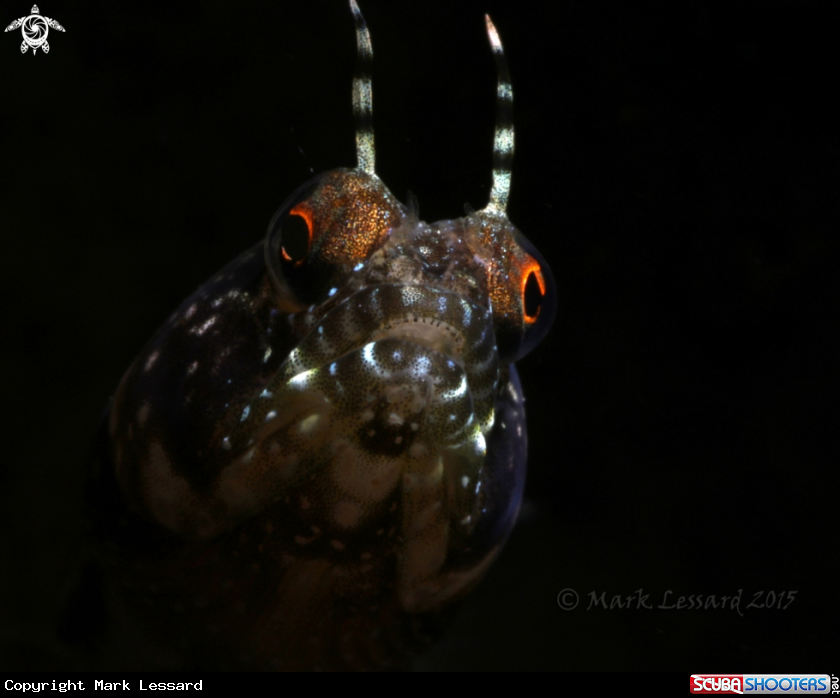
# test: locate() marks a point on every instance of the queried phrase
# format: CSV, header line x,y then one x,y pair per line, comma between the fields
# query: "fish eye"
x,y
533,281
539,300
533,293
295,237
288,249
323,232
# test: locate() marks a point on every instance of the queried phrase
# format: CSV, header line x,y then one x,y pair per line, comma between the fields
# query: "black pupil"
x,y
533,296
295,239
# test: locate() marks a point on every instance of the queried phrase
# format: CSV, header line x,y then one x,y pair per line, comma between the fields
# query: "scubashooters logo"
x,y
739,684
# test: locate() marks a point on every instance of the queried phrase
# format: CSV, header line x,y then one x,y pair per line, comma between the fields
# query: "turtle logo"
x,y
35,28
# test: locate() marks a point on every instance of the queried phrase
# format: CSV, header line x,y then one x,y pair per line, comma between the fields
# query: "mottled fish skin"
x,y
320,452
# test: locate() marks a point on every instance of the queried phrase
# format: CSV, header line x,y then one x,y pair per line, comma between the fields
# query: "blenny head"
x,y
330,432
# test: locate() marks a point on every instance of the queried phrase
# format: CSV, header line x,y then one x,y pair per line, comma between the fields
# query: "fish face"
x,y
323,449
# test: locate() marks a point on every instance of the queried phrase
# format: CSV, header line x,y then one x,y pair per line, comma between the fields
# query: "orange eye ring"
x,y
531,269
303,212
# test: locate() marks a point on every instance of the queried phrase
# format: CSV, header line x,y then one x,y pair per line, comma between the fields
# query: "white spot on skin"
x,y
271,415
489,422
465,481
192,368
267,355
443,305
394,419
480,444
308,425
301,380
367,355
151,360
424,365
513,394
455,392
226,443
191,311
206,325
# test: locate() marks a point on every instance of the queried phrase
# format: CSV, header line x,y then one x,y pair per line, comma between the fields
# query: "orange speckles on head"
x,y
351,214
510,270
504,302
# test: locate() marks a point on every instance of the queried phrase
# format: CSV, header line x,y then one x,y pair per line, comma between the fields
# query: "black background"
x,y
677,167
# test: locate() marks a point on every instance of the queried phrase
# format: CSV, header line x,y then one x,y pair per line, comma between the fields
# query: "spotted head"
x,y
329,434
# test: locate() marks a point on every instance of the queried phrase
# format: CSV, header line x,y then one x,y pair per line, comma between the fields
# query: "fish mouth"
x,y
443,332
426,316
428,332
